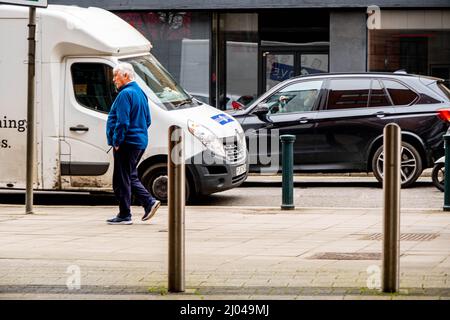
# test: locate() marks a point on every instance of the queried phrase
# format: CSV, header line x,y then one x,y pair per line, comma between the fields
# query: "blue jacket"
x,y
129,118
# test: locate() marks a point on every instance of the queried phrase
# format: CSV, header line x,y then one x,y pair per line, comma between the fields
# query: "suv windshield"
x,y
171,95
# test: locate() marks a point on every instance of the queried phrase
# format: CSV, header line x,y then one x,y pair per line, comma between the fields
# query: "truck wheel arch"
x,y
162,159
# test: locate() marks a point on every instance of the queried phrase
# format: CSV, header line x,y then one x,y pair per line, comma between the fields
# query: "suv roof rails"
x,y
367,73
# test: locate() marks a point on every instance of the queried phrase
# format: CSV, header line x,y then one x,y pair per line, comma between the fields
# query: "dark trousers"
x,y
126,181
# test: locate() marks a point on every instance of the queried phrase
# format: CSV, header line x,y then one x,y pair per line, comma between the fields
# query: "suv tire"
x,y
411,164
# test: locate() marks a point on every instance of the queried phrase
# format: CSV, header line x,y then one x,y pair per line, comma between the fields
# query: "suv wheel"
x,y
155,180
411,164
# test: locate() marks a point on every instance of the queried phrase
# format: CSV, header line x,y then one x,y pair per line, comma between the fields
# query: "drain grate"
x,y
347,256
404,236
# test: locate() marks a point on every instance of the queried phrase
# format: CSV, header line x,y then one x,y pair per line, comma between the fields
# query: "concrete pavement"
x,y
231,253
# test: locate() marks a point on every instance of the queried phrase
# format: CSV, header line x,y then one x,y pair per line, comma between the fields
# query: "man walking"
x,y
126,131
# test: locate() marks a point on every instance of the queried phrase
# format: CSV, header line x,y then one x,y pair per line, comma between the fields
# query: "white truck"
x,y
76,50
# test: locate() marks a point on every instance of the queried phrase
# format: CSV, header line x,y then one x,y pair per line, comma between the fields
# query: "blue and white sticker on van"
x,y
222,118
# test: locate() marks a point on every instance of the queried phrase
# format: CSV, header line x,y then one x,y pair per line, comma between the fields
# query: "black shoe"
x,y
151,211
118,220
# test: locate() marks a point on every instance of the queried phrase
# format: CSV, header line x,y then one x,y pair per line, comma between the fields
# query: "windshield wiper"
x,y
182,103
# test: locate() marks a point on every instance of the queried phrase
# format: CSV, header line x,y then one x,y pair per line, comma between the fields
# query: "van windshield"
x,y
161,82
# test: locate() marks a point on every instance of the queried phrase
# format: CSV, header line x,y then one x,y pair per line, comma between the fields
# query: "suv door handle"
x,y
380,114
79,127
303,120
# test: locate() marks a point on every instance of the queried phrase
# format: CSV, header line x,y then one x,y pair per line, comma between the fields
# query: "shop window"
x,y
181,42
417,41
240,46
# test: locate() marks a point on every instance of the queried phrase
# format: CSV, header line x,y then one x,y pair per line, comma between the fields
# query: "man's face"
x,y
119,79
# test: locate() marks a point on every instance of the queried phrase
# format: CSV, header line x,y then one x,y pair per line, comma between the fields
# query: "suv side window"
x,y
93,86
297,97
378,97
348,93
400,94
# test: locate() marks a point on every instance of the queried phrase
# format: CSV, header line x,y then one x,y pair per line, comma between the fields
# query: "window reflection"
x,y
181,42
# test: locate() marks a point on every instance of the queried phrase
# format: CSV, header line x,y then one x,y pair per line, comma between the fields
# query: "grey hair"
x,y
125,69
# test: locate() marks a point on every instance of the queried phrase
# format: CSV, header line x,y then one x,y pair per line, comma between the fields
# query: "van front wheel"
x,y
155,180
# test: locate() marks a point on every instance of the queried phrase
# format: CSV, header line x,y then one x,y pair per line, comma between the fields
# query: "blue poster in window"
x,y
281,72
222,118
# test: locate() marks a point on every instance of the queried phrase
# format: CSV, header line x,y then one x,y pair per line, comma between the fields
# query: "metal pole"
x,y
176,202
30,111
391,189
447,173
287,142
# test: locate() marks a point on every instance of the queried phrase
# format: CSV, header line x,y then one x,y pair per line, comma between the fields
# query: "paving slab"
x,y
68,252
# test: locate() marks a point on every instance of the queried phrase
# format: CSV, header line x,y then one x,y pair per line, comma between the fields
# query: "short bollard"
x,y
176,203
391,223
287,142
447,173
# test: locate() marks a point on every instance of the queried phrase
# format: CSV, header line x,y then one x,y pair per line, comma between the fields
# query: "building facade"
x,y
228,52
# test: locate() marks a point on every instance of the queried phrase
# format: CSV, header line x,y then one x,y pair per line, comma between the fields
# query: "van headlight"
x,y
207,137
241,141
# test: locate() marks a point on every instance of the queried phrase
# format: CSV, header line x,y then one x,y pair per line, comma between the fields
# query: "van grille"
x,y
235,152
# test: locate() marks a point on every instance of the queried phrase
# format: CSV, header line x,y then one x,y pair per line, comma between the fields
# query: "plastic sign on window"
x,y
281,71
28,3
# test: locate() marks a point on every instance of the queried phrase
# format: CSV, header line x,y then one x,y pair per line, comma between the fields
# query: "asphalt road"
x,y
309,191
328,193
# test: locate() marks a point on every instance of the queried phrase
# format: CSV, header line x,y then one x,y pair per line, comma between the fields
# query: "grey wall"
x,y
348,41
249,4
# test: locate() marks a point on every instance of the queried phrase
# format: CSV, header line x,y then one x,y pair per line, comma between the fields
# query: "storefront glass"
x,y
181,42
416,41
240,37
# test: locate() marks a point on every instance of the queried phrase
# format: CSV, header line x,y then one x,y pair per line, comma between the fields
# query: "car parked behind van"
x,y
338,121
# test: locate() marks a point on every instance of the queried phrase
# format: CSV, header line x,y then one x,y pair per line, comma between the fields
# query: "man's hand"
x,y
116,148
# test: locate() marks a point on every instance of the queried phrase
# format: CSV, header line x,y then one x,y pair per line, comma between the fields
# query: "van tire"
x,y
155,180
411,165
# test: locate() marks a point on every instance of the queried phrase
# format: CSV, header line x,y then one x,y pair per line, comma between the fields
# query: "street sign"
x,y
28,3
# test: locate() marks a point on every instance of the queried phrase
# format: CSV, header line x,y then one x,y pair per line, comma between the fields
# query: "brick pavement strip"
x,y
231,253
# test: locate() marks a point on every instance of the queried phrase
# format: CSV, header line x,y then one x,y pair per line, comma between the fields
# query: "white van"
x,y
76,50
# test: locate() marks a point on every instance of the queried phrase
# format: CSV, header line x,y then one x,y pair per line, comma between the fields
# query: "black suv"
x,y
338,121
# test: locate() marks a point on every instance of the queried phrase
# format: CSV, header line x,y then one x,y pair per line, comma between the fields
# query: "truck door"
x,y
89,93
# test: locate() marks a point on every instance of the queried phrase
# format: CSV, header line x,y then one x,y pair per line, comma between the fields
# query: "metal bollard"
x,y
447,173
176,203
391,223
287,142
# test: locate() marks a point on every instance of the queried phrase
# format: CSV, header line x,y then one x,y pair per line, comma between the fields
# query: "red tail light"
x,y
444,114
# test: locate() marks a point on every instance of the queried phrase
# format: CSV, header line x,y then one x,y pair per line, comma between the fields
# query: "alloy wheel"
x,y
410,164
